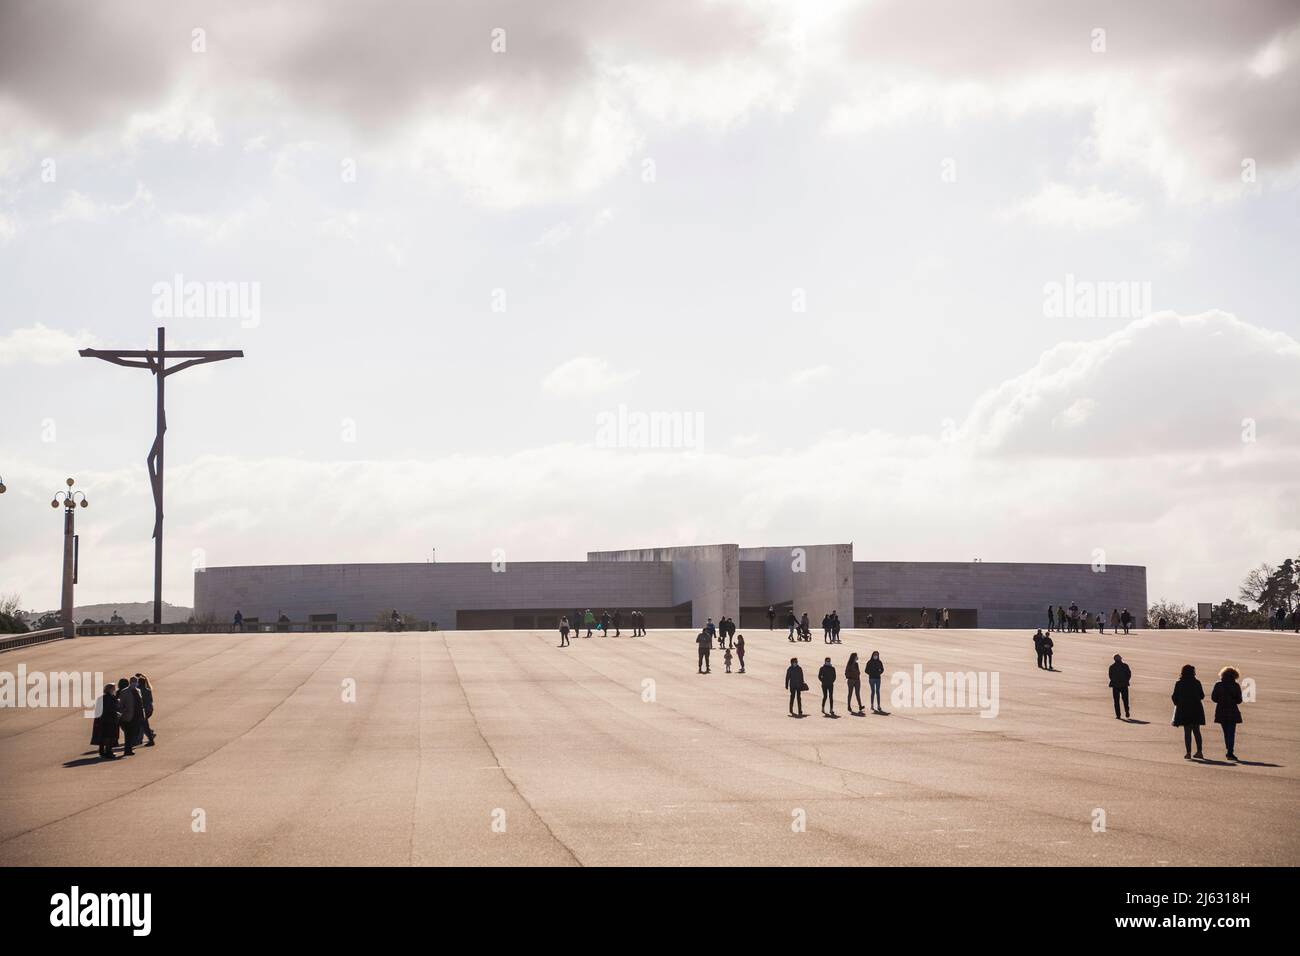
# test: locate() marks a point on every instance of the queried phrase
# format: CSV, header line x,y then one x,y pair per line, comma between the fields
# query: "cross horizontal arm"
x,y
202,357
169,353
117,358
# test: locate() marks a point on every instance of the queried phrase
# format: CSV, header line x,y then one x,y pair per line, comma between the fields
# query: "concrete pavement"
x,y
498,748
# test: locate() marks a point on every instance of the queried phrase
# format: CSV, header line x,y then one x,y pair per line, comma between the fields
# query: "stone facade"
x,y
675,586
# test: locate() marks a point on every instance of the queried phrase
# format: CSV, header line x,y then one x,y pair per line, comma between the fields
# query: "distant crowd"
x,y
1071,620
601,623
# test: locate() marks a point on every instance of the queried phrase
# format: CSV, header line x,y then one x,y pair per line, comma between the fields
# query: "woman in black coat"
x,y
1227,710
853,677
103,733
1189,712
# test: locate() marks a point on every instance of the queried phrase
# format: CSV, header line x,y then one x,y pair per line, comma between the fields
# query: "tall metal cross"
x,y
156,362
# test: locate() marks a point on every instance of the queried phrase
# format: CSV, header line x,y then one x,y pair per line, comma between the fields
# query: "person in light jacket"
x,y
1227,707
1189,712
146,698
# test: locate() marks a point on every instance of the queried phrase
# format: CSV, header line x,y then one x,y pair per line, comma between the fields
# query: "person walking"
x,y
103,733
853,678
793,622
796,685
604,624
1189,712
771,618
617,621
925,617
875,670
804,628
947,618
1047,651
827,678
146,697
1051,617
1114,620
1125,618
1038,647
130,708
1227,707
564,632
1120,676
589,619
740,651
835,628
239,620
705,644
826,628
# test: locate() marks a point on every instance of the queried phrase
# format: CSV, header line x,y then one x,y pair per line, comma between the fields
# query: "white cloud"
x,y
40,345
77,207
1142,389
584,374
1058,204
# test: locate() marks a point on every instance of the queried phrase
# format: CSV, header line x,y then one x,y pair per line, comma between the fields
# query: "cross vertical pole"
x,y
158,489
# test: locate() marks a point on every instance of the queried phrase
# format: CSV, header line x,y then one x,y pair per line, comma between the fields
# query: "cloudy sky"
x,y
834,237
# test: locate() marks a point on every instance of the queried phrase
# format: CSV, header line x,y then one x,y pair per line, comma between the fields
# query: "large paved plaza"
x,y
492,747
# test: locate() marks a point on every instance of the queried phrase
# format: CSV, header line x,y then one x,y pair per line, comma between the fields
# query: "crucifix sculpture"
x,y
156,362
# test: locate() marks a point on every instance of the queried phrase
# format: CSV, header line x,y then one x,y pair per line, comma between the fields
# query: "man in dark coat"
x,y
617,621
705,644
1038,645
1120,676
771,617
795,684
826,676
104,732
131,712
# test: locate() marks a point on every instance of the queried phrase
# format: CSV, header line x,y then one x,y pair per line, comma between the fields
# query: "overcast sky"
x,y
833,236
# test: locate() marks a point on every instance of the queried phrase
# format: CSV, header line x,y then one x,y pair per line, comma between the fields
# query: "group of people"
x,y
603,623
704,645
826,676
1187,697
1075,621
126,708
942,618
1189,711
1278,620
801,630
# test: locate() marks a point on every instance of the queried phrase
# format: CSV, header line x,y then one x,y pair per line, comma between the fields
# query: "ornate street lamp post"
x,y
69,499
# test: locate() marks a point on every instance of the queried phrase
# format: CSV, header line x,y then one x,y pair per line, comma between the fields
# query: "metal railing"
x,y
15,641
255,627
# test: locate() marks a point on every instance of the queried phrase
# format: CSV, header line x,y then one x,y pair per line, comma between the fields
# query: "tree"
x,y
10,622
1254,589
1175,614
1234,615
